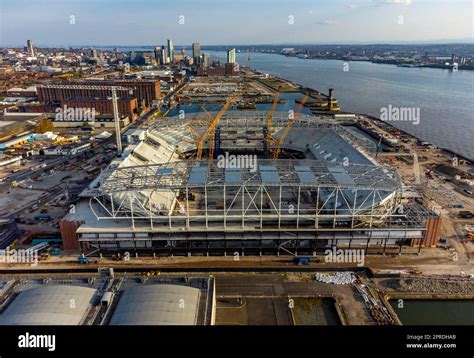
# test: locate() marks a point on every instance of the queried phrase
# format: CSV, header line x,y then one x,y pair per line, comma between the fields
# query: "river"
x,y
445,98
435,312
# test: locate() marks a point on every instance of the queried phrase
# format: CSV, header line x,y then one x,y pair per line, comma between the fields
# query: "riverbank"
x,y
388,127
442,66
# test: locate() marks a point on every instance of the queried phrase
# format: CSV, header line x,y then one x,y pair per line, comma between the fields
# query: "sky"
x,y
221,22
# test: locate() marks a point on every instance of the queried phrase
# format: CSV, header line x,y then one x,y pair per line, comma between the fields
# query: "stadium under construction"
x,y
314,185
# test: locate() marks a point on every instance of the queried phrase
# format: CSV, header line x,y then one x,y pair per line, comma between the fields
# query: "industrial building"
x,y
107,300
141,92
157,305
49,305
325,190
99,121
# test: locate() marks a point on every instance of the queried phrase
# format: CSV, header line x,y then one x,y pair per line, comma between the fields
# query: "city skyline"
x,y
72,23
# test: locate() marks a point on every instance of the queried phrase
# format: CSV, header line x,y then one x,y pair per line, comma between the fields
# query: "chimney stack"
x,y
330,98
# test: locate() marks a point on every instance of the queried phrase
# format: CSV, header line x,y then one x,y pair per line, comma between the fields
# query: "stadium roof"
x,y
157,304
284,172
49,305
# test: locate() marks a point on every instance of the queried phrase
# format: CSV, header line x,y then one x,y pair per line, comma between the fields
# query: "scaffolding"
x,y
285,204
275,194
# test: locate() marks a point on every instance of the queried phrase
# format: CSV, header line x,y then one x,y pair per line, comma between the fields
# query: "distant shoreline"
x,y
303,88
396,63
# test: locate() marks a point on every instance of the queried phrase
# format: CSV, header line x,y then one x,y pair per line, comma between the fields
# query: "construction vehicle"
x,y
277,150
118,257
301,260
465,214
415,271
429,173
82,260
44,256
43,218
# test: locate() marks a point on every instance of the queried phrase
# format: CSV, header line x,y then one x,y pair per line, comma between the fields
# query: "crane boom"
x,y
277,150
194,131
270,116
211,135
213,125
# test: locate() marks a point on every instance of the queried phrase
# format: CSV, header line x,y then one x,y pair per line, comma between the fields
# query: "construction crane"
x,y
277,150
213,125
270,117
196,133
211,136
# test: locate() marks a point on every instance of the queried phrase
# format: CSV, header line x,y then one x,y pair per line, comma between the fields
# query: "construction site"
x,y
252,200
302,183
205,175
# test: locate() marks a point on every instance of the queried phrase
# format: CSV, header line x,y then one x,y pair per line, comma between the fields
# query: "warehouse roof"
x,y
49,305
158,304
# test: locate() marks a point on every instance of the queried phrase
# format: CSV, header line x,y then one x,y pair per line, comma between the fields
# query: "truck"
x,y
442,243
43,218
301,260
464,214
44,256
83,260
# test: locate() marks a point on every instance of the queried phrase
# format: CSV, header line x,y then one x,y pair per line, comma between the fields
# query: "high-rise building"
x,y
170,50
132,56
163,56
196,51
205,60
158,56
231,56
29,46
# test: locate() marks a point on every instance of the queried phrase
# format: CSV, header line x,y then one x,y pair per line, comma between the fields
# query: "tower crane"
x,y
277,150
213,126
270,117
